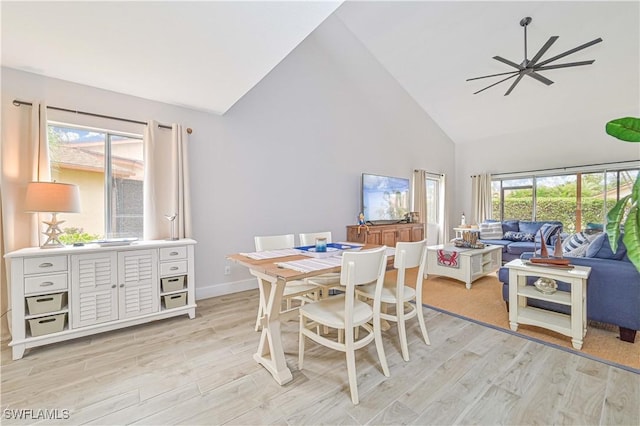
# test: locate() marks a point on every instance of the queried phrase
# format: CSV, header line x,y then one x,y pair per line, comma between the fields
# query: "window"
x,y
575,198
433,200
108,168
512,199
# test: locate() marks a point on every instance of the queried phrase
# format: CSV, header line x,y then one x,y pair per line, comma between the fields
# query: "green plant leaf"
x,y
635,191
631,237
614,219
626,129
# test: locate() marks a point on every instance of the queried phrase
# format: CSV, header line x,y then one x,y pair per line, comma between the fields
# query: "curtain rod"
x,y
17,102
562,168
427,171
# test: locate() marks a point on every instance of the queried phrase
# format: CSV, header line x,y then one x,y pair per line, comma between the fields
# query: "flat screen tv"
x,y
385,199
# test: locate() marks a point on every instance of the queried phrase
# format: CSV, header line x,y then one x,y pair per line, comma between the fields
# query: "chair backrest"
x,y
362,267
309,238
274,242
410,255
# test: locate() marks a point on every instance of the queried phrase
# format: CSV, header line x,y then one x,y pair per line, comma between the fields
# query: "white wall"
x,y
574,143
287,158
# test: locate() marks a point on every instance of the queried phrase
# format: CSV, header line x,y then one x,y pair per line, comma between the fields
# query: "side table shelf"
x,y
573,325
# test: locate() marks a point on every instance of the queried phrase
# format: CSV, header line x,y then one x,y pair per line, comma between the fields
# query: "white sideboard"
x,y
65,293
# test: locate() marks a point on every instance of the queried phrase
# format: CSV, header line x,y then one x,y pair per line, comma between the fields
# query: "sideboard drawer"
x,y
173,268
173,253
45,283
42,264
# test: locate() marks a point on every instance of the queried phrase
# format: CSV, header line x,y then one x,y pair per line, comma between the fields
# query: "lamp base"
x,y
52,233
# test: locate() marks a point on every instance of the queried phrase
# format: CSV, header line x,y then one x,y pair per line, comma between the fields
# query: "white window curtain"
x,y
420,196
481,197
25,158
166,182
443,236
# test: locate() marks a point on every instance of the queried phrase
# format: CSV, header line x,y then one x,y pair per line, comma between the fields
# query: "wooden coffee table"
x,y
472,263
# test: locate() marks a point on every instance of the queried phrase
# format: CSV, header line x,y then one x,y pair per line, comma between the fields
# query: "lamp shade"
x,y
52,197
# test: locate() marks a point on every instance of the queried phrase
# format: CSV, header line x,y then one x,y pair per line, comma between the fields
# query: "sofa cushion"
x,y
529,227
491,231
520,247
518,236
548,230
600,248
503,243
510,225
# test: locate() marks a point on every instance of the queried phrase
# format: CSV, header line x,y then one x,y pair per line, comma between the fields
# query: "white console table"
x,y
574,325
65,293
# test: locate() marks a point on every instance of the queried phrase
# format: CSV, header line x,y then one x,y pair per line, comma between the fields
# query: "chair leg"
x,y
423,327
377,335
402,330
351,366
301,343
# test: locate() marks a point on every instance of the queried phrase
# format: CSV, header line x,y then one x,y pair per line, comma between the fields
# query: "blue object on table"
x,y
321,245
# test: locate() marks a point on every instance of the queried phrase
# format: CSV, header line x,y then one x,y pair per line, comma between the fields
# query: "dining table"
x,y
274,269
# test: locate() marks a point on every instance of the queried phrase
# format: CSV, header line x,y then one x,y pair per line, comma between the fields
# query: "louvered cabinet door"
x,y
94,288
138,283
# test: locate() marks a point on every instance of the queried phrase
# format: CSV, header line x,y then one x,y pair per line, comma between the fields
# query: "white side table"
x,y
573,325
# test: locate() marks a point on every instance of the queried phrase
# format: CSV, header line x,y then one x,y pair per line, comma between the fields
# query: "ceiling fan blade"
x,y
540,78
569,64
542,51
569,52
508,62
514,84
492,75
498,82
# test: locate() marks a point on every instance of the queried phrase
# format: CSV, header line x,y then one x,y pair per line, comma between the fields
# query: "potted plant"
x,y
628,130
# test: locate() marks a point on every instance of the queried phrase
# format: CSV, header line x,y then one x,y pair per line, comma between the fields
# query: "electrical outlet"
x,y
227,270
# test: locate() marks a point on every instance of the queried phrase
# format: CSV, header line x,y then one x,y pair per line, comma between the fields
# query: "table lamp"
x,y
54,198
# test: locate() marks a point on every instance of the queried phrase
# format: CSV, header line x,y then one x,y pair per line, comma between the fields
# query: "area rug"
x,y
483,304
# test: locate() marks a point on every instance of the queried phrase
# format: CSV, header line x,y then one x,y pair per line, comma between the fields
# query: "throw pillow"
x,y
576,241
548,230
491,231
580,251
518,236
601,249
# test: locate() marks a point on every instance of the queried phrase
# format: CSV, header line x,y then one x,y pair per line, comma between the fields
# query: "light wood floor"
x,y
201,371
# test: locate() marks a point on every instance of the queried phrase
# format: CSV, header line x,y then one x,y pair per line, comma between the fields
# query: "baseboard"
x,y
225,288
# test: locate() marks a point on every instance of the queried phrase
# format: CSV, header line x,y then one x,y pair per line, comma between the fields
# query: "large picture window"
x,y
576,199
108,168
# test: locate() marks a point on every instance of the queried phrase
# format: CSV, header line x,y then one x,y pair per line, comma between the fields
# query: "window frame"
x,y
109,215
578,172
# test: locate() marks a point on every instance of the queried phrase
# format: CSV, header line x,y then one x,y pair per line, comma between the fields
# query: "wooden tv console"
x,y
387,235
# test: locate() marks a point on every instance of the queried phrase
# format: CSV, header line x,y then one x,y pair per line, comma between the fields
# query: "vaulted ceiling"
x,y
207,55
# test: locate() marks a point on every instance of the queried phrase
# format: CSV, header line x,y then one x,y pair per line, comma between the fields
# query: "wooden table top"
x,y
269,266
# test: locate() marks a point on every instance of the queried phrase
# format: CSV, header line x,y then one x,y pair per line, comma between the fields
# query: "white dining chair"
x,y
325,281
396,293
346,313
300,290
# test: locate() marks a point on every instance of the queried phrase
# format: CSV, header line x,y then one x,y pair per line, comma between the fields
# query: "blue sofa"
x,y
514,249
613,288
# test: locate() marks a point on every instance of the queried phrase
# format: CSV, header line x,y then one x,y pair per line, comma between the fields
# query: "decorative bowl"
x,y
546,285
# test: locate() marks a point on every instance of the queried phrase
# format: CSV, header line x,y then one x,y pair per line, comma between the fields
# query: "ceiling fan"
x,y
532,67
